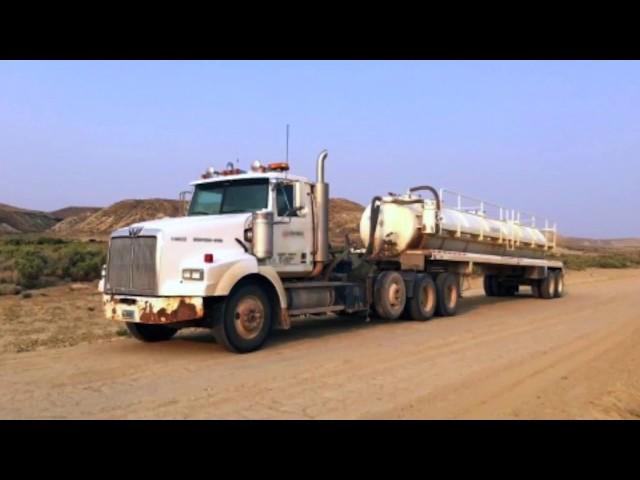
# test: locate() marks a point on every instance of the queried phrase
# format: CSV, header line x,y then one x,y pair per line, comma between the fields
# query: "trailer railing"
x,y
484,209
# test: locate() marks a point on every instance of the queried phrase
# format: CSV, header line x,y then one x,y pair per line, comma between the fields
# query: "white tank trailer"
x,y
252,253
403,222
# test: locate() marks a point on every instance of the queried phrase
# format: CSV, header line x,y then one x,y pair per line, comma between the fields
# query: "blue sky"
x,y
560,138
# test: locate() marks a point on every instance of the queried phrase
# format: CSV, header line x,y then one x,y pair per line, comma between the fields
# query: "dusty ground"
x,y
53,317
574,357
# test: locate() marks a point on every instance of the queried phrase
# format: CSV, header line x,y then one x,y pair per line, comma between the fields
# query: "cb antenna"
x,y
287,151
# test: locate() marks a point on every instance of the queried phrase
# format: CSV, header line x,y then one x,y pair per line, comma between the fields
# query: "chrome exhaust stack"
x,y
322,212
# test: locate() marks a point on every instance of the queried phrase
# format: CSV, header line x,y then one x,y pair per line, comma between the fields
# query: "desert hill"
x,y
120,214
64,213
19,220
578,243
98,223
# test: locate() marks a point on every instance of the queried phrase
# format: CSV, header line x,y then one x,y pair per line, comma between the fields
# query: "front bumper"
x,y
126,308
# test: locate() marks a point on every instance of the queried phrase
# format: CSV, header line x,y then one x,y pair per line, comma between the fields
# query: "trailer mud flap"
x,y
153,309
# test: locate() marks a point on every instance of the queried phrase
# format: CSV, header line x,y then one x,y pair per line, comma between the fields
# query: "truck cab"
x,y
165,274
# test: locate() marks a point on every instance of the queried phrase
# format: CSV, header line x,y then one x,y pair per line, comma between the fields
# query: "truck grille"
x,y
131,267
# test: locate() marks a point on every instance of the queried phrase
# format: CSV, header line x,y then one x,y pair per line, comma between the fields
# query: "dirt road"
x,y
575,357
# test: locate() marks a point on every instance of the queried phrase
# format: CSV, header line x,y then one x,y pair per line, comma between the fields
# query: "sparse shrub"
x,y
37,262
83,264
9,289
50,241
604,260
16,241
30,266
122,332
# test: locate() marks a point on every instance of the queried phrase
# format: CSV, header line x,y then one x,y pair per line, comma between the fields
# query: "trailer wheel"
x,y
146,332
548,286
448,291
389,295
506,290
244,319
422,305
489,285
559,287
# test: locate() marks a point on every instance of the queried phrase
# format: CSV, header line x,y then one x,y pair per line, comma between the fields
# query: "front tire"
x,y
146,332
243,320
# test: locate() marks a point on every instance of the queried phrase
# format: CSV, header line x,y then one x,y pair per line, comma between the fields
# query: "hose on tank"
x,y
373,222
436,196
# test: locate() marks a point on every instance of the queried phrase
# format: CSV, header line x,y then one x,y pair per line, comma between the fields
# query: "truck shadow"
x,y
318,327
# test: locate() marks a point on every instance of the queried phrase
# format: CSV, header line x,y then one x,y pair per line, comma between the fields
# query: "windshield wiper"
x,y
235,211
199,212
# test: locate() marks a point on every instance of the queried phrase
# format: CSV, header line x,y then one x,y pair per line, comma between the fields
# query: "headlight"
x,y
192,274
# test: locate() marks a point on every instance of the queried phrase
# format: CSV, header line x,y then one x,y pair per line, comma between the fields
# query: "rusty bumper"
x,y
152,309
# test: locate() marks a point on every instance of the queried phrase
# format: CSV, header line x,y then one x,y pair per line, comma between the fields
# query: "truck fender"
x,y
237,269
241,269
268,274
274,278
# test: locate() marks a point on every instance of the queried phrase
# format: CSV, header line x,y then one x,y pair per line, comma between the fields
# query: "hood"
x,y
198,228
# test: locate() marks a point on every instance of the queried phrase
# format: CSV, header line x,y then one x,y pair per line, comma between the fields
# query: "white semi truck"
x,y
253,253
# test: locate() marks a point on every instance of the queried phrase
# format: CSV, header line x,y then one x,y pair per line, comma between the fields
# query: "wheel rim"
x,y
394,295
427,301
249,317
551,286
560,287
452,294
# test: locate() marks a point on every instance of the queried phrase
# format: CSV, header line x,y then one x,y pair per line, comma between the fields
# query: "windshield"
x,y
233,196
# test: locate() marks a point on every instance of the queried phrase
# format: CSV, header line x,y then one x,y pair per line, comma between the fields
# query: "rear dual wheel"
x,y
422,305
559,290
448,292
493,287
389,295
428,297
552,286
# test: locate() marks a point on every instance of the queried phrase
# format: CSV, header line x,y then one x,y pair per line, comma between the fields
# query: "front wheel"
x,y
244,319
146,332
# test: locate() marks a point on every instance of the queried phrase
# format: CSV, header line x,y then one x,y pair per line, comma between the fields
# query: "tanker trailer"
x,y
409,221
439,244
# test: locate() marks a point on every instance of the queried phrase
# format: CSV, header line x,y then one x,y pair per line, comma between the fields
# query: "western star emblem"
x,y
134,231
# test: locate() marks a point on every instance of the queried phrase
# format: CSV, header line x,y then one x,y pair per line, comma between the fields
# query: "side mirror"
x,y
298,196
293,210
183,198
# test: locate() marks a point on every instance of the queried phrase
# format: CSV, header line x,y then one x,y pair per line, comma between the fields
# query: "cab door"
x,y
292,229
